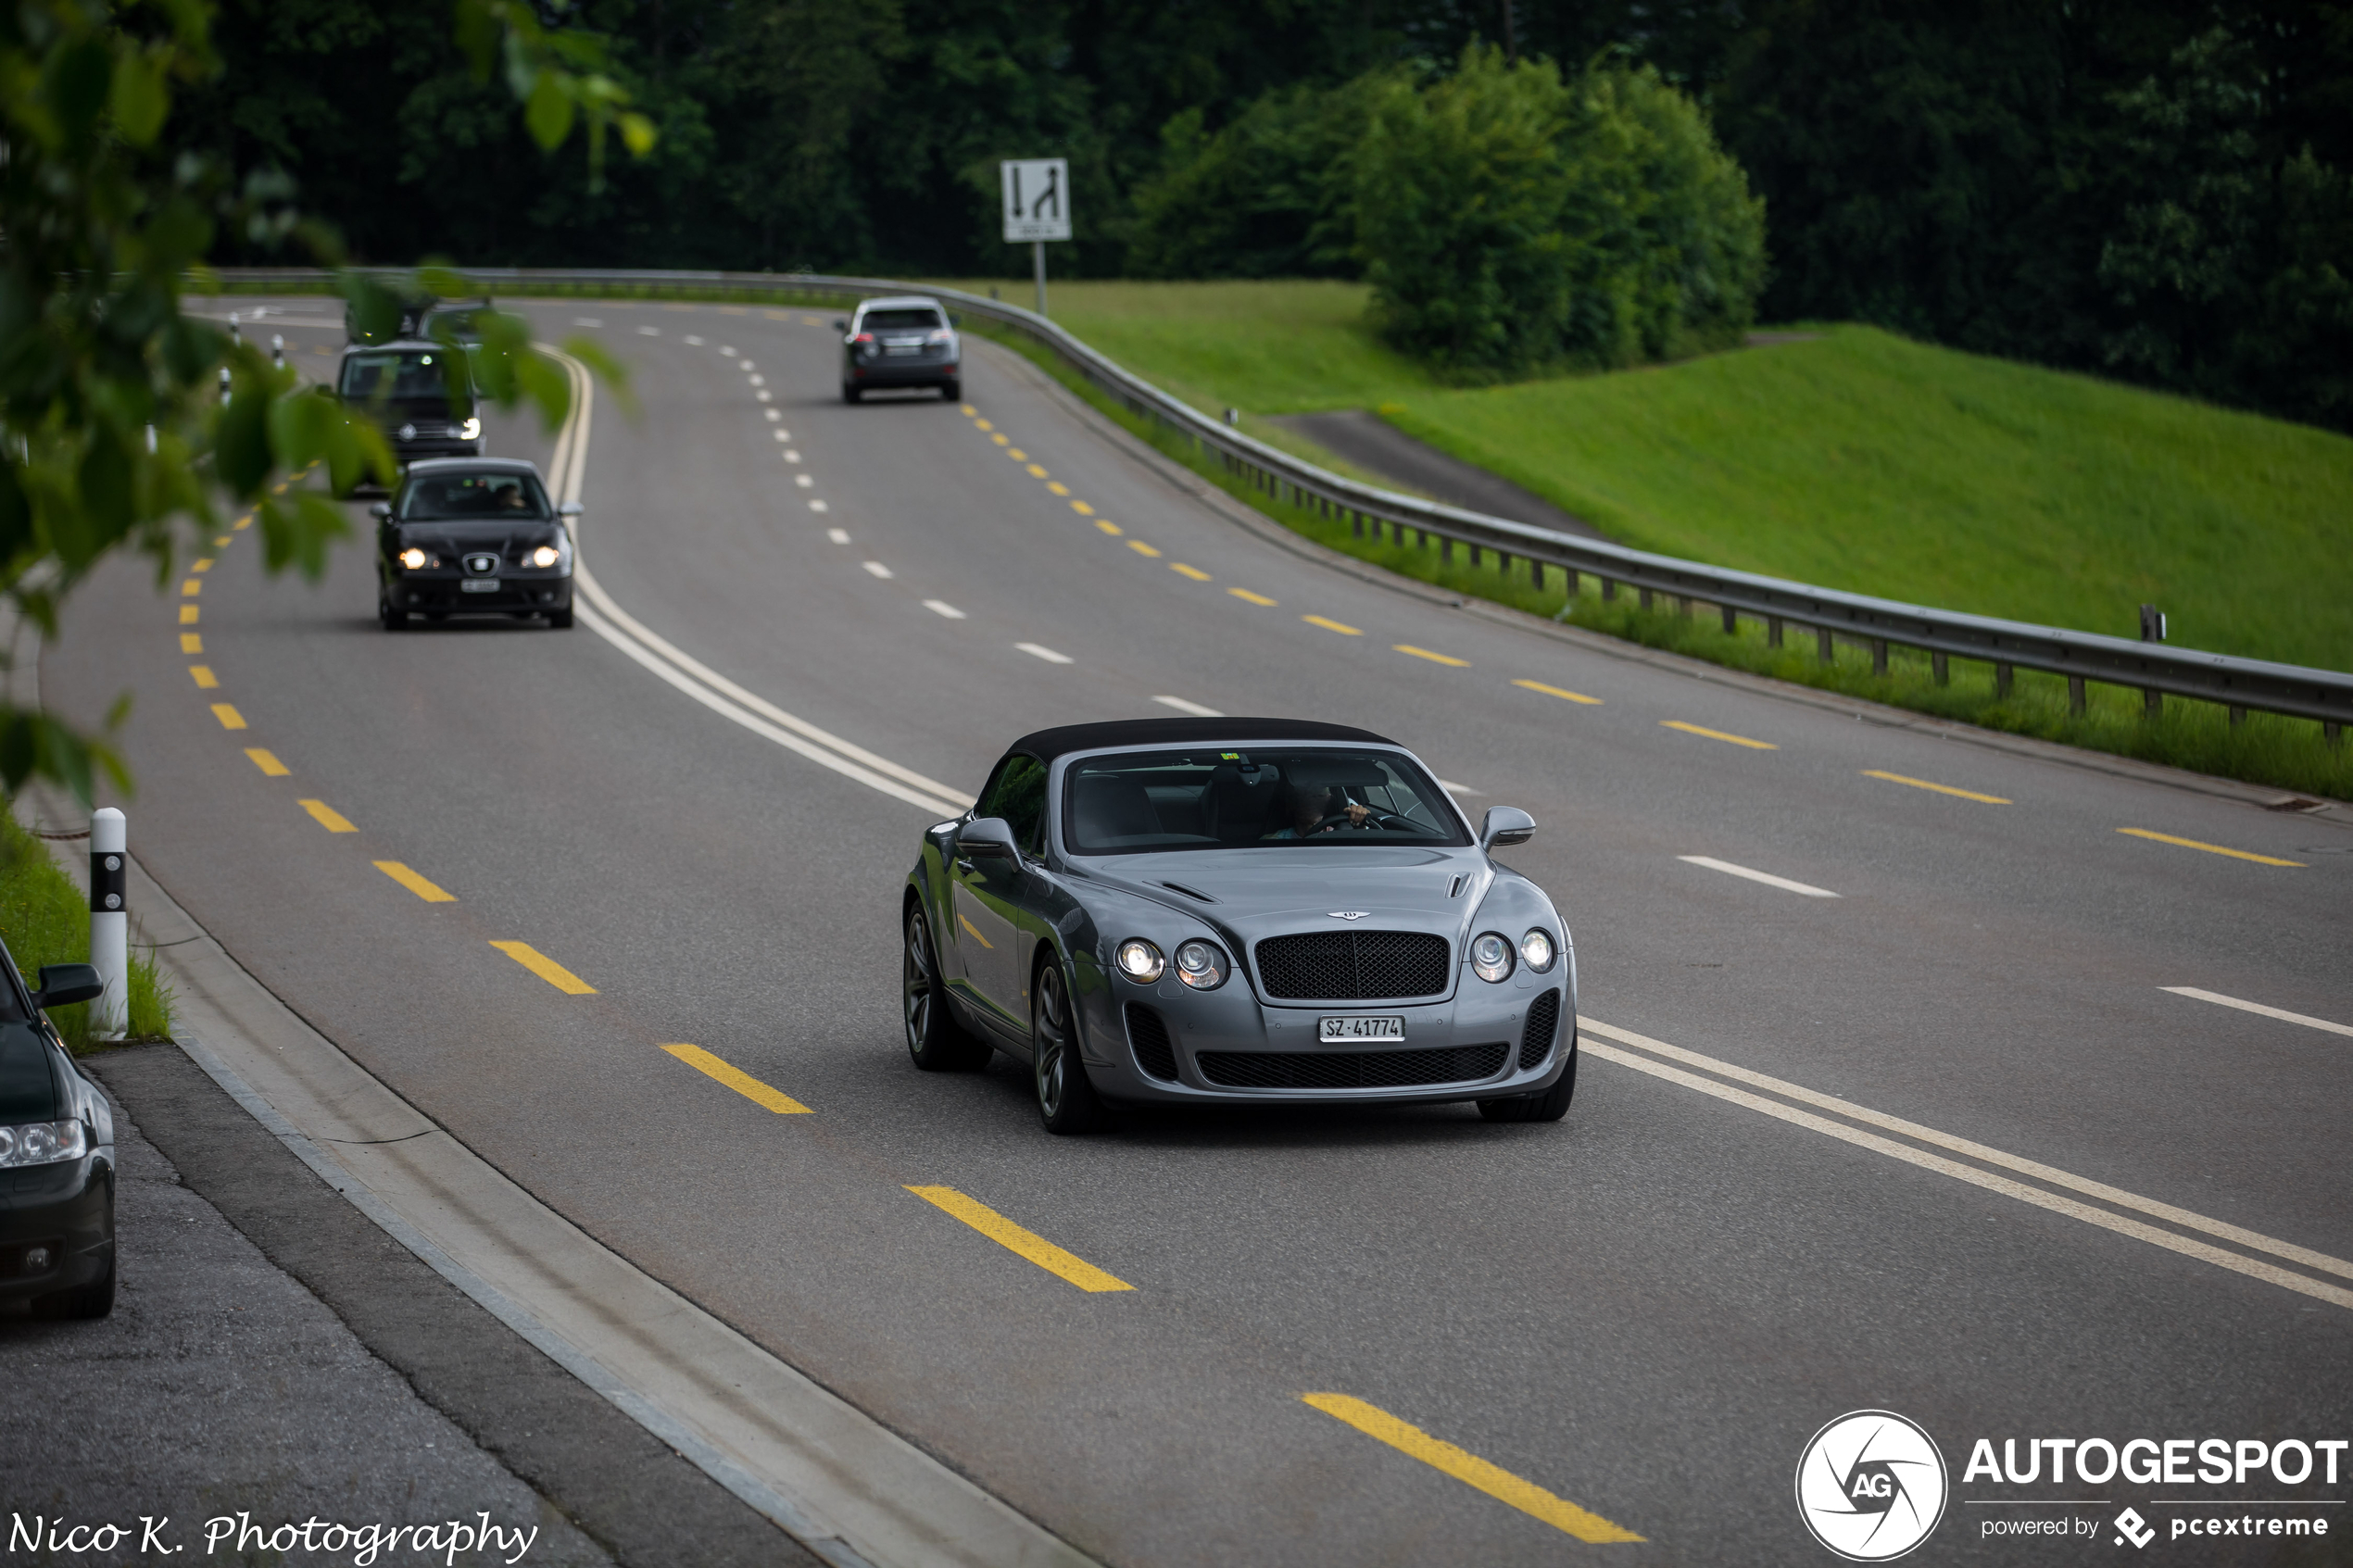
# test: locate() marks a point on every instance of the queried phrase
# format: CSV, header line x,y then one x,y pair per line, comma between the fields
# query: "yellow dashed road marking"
x,y
204,677
1940,789
1718,734
230,718
1329,625
267,762
1006,1234
328,817
1143,550
1108,526
187,615
1469,1468
2210,848
1082,508
742,1083
1245,595
415,883
190,643
1196,573
1558,691
1433,657
545,968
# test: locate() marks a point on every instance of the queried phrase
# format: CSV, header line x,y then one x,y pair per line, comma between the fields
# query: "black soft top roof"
x,y
1047,745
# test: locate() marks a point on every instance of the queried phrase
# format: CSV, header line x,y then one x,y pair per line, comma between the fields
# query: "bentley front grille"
x,y
1351,966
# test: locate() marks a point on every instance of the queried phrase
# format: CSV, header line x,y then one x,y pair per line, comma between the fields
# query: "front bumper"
x,y
443,594
1226,1046
68,1209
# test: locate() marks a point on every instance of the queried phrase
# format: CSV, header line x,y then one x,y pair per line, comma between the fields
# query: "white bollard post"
x,y
109,924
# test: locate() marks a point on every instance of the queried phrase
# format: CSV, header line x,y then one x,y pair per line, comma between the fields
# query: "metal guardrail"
x,y
2154,669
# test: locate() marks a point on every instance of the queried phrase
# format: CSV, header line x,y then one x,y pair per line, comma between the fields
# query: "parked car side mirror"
x,y
842,326
381,511
65,983
570,508
1505,826
991,837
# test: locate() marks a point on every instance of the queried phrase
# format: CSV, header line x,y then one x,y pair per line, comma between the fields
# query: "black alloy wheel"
x,y
1547,1105
1066,1099
935,1039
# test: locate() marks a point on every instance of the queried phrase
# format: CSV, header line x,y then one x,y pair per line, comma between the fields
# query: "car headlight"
x,y
546,555
469,431
1536,950
1140,962
42,1143
415,559
1492,957
1202,965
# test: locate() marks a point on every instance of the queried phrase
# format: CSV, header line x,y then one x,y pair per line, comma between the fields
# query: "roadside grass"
x,y
45,920
2287,753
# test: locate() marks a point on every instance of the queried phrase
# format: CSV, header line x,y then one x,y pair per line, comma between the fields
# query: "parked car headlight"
x,y
42,1143
1140,962
546,555
470,429
1536,950
416,559
1492,958
1201,965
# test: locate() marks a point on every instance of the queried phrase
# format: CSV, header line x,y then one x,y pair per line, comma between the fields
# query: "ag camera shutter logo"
x,y
1871,1486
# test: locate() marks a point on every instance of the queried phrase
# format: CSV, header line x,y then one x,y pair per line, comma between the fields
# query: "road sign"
x,y
1036,198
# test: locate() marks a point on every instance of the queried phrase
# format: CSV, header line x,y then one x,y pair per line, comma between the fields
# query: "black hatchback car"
x,y
904,342
56,1155
419,394
472,536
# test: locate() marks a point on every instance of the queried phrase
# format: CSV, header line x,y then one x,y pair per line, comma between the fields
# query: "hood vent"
x,y
1188,891
1457,891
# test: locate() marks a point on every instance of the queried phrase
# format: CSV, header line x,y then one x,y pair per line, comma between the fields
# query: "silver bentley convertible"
x,y
1189,911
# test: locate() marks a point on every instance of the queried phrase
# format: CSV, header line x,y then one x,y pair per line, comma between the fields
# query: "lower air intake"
x,y
1543,1022
1352,1069
1148,1036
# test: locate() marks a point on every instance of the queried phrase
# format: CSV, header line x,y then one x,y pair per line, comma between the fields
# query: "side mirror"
x,y
570,508
986,836
381,511
65,983
955,320
1505,826
842,326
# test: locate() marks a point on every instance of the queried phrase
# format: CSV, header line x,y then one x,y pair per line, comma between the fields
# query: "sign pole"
x,y
1038,265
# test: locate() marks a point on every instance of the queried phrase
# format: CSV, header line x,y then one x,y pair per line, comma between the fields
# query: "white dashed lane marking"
x,y
1784,883
941,607
1195,708
838,536
877,568
1048,655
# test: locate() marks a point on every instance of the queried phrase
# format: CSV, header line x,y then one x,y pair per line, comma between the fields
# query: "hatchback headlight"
x,y
1492,958
1202,965
1536,950
42,1143
546,555
1140,962
469,431
415,559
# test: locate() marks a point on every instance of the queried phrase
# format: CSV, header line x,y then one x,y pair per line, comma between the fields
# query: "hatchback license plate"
x,y
479,586
1335,1029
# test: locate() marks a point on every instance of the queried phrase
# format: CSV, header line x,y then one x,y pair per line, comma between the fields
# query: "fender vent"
x,y
1147,1037
1543,1022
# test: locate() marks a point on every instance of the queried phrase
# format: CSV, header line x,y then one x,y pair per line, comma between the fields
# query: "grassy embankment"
x,y
45,919
1855,460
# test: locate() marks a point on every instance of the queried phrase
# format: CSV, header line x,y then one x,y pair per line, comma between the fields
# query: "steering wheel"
x,y
1341,818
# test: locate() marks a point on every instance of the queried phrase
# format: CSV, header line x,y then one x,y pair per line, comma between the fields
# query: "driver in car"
x,y
1311,804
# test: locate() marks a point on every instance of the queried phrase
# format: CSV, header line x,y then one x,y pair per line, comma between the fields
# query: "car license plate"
x,y
1335,1029
909,348
479,586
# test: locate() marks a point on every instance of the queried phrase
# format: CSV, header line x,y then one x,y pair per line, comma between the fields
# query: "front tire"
x,y
559,619
1548,1105
936,1041
1066,1099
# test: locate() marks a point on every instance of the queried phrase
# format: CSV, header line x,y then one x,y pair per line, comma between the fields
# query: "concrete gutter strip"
x,y
854,1493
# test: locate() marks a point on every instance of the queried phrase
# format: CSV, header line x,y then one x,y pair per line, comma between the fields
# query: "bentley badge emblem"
x,y
1348,914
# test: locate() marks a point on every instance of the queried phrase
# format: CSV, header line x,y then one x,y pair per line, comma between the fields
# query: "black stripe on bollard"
x,y
107,881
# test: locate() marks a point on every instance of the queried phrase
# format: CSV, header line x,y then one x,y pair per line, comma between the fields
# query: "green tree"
x,y
124,423
1512,221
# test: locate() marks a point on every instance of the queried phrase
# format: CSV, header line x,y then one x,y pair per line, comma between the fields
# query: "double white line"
x,y
690,675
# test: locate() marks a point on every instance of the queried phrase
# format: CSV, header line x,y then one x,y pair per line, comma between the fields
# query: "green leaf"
x,y
637,133
241,441
547,112
105,483
16,517
79,75
140,99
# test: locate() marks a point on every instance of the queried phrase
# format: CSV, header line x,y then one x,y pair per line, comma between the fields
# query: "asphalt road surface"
x,y
2056,1199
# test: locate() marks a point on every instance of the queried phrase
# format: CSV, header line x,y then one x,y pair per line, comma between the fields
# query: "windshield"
x,y
1154,801
406,374
899,321
464,325
446,497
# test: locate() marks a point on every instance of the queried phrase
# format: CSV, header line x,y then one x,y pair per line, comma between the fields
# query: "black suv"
x,y
907,341
420,393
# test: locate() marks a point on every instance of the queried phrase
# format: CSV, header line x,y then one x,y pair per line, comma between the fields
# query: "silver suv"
x,y
904,341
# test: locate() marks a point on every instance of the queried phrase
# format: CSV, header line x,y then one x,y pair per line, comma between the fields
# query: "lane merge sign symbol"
x,y
1037,199
1871,1486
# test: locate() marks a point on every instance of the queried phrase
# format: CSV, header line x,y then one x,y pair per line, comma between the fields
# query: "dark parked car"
x,y
56,1155
1188,912
472,536
420,393
903,342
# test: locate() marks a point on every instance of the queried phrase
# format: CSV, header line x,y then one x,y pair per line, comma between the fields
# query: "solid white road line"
x,y
2042,1173
1195,708
1784,883
1048,655
2220,1001
877,568
706,685
941,607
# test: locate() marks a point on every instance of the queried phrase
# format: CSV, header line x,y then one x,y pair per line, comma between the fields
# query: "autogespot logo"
x,y
1871,1486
